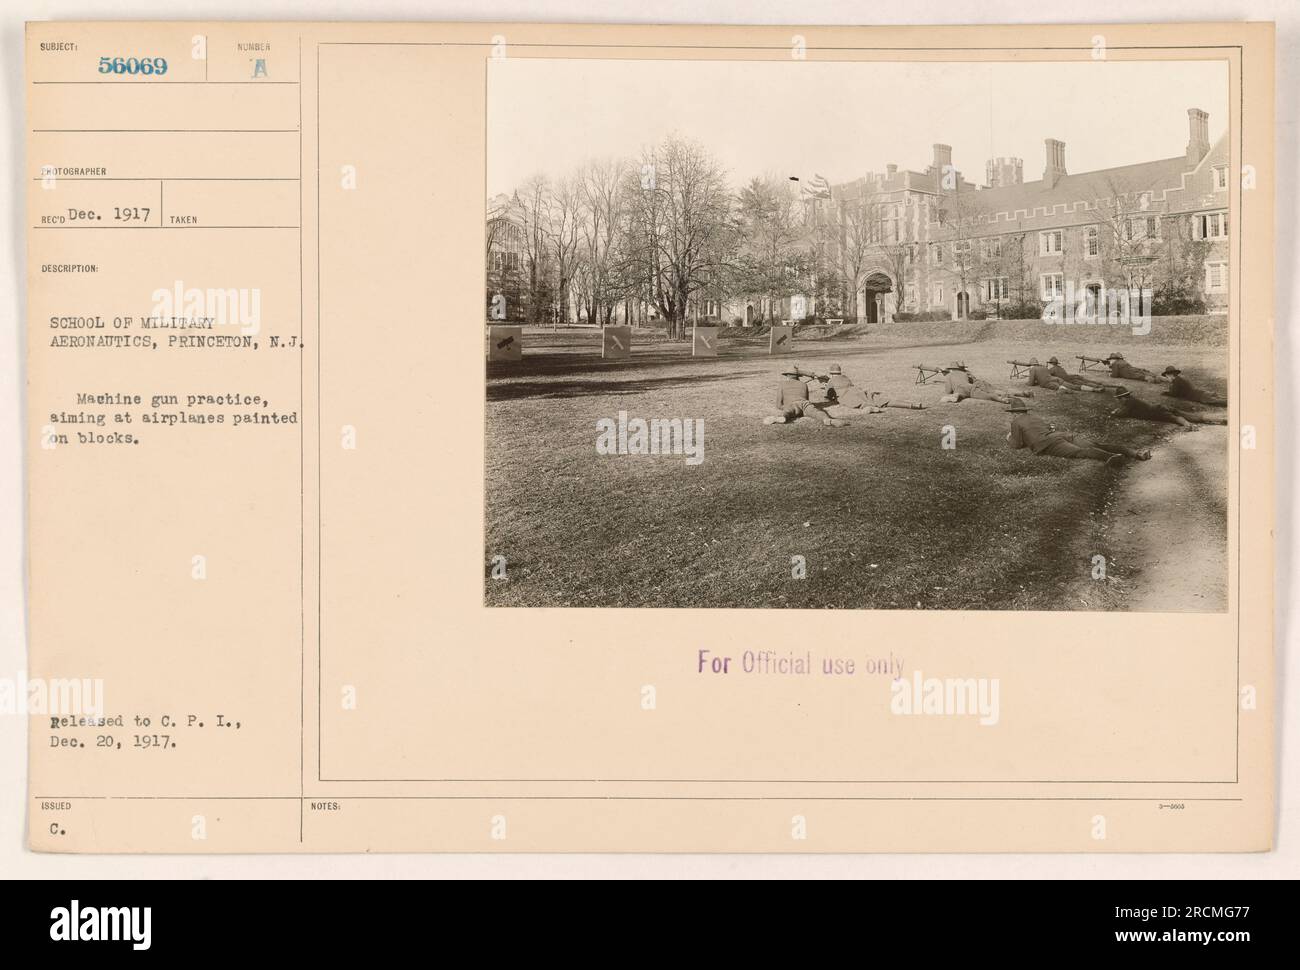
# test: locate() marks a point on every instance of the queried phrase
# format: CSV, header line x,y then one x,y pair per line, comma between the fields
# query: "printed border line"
x,y
163,83
1239,48
642,798
753,47
302,497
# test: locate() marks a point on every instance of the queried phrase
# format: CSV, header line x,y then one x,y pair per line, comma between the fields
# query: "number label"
x,y
133,65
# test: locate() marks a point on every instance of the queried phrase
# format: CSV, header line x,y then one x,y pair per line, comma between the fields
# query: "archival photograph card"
x,y
572,438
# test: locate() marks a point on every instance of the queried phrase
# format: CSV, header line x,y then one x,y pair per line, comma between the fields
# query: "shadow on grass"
x,y
522,390
588,361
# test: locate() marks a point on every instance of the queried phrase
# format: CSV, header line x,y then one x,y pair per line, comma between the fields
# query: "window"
x,y
1216,277
1050,242
909,294
992,247
1092,299
1091,243
1052,285
937,251
936,294
961,249
1142,227
889,222
1220,178
893,222
1210,225
995,288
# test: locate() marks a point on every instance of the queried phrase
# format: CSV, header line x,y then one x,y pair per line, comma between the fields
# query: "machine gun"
x,y
927,372
1018,368
1092,363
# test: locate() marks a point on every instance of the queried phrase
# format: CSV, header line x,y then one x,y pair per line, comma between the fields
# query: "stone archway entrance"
x,y
963,305
877,303
749,314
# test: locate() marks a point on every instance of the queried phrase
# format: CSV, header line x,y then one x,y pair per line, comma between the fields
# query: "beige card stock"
x,y
360,521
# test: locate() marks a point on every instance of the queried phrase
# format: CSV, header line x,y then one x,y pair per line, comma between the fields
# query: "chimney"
x,y
1001,172
942,157
1055,161
891,170
1198,135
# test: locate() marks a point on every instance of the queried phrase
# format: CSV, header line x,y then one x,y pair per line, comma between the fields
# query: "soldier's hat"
x,y
956,365
1033,360
1115,356
1171,369
836,369
1052,360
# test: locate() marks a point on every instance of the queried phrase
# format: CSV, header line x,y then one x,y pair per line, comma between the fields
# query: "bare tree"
x,y
961,220
534,218
872,231
1131,241
899,257
602,188
1180,273
774,255
563,230
680,229
859,240
1015,265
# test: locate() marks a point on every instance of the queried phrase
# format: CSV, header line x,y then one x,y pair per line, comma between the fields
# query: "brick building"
x,y
932,240
506,260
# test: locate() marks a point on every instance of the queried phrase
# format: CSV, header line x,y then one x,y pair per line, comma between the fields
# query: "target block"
x,y
505,343
780,340
616,342
704,341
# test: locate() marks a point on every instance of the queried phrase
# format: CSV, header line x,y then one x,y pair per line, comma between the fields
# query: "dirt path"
x,y
1167,525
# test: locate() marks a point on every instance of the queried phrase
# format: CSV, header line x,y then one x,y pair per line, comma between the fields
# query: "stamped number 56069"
x,y
133,65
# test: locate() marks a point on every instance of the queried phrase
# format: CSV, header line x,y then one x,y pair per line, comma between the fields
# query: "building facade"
x,y
933,242
1149,238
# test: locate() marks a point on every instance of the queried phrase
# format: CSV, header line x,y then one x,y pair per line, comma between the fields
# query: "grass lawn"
x,y
884,516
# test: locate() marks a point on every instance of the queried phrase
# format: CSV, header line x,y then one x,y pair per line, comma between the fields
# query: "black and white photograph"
x,y
859,335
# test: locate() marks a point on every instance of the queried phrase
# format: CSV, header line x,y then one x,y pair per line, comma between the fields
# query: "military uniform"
x,y
962,385
1030,431
1074,380
849,395
1132,406
1181,387
1041,376
792,399
1119,367
795,399
821,393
